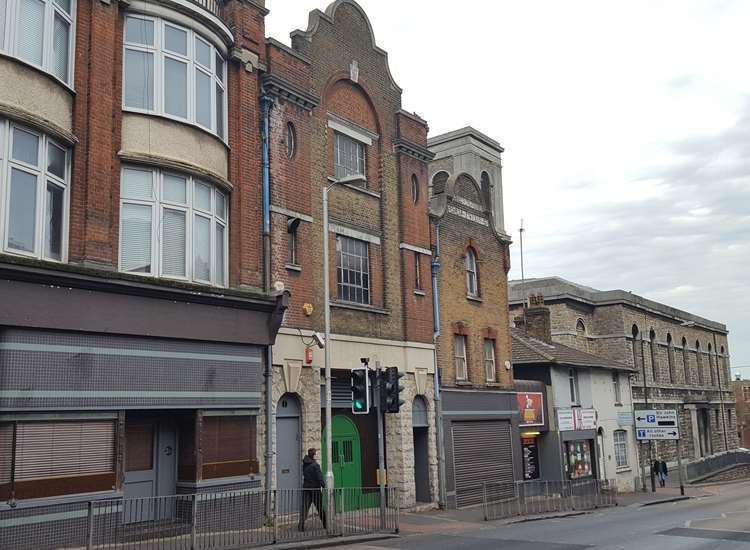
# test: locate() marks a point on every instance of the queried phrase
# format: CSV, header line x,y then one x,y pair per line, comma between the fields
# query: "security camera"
x,y
320,341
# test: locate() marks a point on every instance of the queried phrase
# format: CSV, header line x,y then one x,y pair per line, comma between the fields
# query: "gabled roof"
x,y
531,351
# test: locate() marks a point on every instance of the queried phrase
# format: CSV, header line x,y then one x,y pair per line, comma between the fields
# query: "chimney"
x,y
538,324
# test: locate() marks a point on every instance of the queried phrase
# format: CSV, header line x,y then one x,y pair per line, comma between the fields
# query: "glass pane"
x,y
202,248
175,189
139,79
203,53
202,197
53,222
64,4
175,40
203,98
31,31
3,9
175,87
22,211
220,208
137,184
60,48
25,147
174,242
139,31
136,238
219,268
219,110
56,161
219,68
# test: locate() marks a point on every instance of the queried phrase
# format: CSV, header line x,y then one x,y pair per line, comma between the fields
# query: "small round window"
x,y
414,189
291,140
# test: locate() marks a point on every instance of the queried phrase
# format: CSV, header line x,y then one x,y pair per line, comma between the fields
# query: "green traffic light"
x,y
359,405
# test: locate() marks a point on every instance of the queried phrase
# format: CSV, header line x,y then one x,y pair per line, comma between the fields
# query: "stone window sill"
x,y
474,298
418,292
293,267
463,383
360,307
355,183
623,469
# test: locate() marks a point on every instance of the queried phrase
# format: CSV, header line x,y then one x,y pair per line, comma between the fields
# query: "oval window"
x,y
414,188
291,140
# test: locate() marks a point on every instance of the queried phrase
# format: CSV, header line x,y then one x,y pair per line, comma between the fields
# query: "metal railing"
x,y
215,520
507,499
211,6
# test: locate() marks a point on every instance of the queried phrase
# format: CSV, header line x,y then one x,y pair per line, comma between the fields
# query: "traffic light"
x,y
360,390
390,390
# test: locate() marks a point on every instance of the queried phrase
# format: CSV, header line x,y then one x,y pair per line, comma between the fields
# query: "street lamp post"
x,y
327,354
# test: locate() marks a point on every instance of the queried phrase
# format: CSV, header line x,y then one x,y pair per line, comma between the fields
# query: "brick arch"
x,y
358,107
466,187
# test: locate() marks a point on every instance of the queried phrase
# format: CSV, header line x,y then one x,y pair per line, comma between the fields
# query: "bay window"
x,y
39,32
34,181
172,225
172,71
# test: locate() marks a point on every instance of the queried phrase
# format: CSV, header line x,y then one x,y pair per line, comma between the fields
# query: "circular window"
x,y
291,140
414,188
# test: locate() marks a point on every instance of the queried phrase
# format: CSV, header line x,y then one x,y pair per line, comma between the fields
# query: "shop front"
x,y
532,425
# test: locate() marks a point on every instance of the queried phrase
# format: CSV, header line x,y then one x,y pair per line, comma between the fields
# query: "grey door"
x,y
288,452
482,453
420,425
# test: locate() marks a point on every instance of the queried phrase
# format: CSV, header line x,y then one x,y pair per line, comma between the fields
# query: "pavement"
x,y
708,517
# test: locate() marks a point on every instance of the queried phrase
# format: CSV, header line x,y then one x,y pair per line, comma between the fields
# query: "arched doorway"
x,y
346,463
421,459
288,443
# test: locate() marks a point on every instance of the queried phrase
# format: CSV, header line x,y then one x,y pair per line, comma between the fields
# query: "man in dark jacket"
x,y
660,471
312,484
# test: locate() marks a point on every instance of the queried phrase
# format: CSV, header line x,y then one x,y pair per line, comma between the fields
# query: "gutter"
x,y
435,269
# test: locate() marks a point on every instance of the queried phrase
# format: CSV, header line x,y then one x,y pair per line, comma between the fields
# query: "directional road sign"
x,y
656,418
657,433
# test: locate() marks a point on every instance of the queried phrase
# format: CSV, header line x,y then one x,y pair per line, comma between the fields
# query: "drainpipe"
x,y
266,103
435,268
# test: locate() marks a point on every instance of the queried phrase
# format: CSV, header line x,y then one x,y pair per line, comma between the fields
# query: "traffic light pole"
x,y
381,449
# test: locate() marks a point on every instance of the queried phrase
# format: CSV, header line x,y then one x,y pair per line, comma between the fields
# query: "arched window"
x,y
414,188
685,360
724,367
670,358
652,349
472,279
486,186
580,328
711,365
699,362
636,339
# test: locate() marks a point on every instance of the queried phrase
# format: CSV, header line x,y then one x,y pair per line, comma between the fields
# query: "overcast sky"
x,y
626,128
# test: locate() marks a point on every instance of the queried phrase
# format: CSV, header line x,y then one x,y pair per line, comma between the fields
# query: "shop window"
x,y
170,70
139,446
172,225
579,459
56,458
39,32
229,446
621,448
34,183
459,356
352,270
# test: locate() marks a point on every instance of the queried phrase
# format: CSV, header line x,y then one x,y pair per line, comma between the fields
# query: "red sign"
x,y
531,409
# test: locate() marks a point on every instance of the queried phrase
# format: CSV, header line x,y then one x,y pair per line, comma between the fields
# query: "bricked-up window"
x,y
352,270
229,446
349,156
670,358
711,365
621,448
34,182
616,388
472,278
172,71
699,362
685,360
57,458
172,225
652,351
489,359
39,32
459,356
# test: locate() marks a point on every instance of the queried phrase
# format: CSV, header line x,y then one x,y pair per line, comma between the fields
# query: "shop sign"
x,y
530,452
624,418
530,408
576,418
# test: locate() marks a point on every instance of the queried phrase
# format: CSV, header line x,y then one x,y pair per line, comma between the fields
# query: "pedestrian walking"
x,y
660,471
312,486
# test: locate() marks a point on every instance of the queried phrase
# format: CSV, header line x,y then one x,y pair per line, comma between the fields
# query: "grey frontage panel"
x,y
42,369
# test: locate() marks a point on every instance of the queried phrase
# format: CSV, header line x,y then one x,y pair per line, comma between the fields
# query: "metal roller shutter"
x,y
60,449
482,452
6,452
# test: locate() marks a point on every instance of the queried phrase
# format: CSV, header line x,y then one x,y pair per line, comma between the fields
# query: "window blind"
x,y
31,38
136,238
174,239
60,43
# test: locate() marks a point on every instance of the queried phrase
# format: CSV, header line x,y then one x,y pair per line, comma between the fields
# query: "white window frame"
x,y
42,177
360,170
459,356
489,359
575,395
9,45
158,205
620,448
160,54
617,387
353,287
472,276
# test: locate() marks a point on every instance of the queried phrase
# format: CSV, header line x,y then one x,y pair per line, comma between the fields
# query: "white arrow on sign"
x,y
657,433
656,418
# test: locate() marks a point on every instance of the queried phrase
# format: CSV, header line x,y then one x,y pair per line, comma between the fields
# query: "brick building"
x,y
680,360
336,120
480,421
137,315
741,390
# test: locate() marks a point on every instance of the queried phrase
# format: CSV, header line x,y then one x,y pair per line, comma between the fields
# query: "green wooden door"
x,y
347,464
